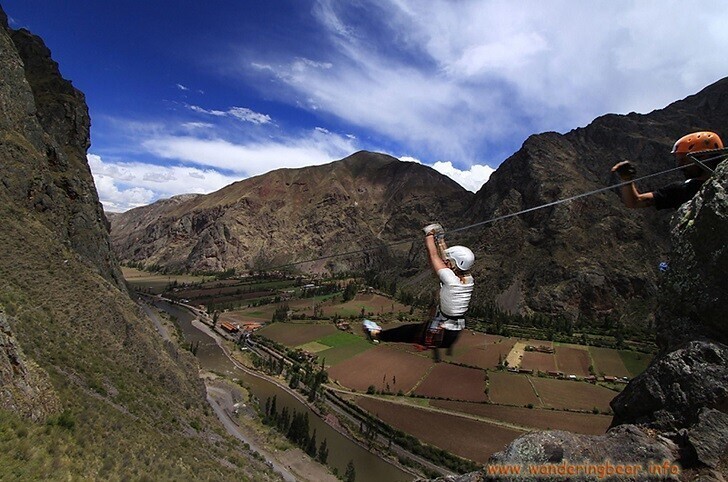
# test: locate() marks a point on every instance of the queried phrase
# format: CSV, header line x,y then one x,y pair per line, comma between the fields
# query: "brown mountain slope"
x,y
87,388
591,258
288,215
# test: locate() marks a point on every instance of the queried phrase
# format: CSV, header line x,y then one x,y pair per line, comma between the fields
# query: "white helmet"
x,y
461,256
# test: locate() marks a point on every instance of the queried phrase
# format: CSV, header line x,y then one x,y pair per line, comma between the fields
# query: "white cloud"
x,y
471,79
202,165
241,113
254,157
248,115
471,179
182,87
126,185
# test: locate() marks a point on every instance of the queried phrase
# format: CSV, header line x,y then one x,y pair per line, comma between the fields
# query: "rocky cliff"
x,y
361,202
675,414
88,390
590,258
45,135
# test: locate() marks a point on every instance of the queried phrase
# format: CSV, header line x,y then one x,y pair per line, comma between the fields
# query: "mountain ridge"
x,y
590,259
365,200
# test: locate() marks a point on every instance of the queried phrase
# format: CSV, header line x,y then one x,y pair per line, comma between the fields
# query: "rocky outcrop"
x,y
45,135
677,410
589,259
671,392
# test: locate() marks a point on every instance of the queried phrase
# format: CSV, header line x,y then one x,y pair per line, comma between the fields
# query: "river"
x,y
368,466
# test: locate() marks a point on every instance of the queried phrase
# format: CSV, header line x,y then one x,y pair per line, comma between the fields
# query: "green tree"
x,y
323,452
350,474
311,447
215,317
350,292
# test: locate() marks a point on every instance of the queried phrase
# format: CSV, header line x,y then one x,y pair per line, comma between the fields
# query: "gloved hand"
x,y
625,170
434,228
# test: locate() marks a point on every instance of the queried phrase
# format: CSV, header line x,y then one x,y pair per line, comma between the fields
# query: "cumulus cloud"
x,y
126,185
471,179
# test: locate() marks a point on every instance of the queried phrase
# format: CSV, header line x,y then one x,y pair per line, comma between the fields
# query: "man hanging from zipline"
x,y
452,266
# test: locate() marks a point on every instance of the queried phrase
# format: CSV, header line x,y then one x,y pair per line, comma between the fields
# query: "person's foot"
x,y
372,330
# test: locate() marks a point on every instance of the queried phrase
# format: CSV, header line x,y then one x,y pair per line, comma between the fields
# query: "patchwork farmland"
x,y
473,391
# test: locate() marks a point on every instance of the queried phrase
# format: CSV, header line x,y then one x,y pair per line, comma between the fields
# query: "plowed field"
x,y
536,361
608,362
573,395
381,366
467,438
482,351
511,389
541,419
454,382
573,361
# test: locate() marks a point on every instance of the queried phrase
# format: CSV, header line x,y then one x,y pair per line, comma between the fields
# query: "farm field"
x,y
540,419
380,366
573,394
511,389
251,315
454,382
484,351
608,362
536,361
156,283
369,302
573,361
468,438
340,346
294,334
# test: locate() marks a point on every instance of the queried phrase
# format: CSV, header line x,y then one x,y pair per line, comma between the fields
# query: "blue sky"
x,y
190,96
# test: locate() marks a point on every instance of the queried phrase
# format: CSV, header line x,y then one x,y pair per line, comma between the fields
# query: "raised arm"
x,y
631,197
435,251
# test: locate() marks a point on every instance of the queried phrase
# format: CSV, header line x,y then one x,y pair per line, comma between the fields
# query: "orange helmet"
x,y
696,142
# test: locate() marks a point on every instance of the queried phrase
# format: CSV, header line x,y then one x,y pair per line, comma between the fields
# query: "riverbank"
x,y
330,418
215,355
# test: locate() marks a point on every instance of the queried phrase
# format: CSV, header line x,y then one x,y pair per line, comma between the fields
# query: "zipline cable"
x,y
511,215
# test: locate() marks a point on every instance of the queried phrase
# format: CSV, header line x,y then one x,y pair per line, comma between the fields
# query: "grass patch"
x,y
342,353
339,339
635,362
314,347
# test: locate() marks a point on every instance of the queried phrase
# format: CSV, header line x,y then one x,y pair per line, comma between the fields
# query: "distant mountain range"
x,y
588,259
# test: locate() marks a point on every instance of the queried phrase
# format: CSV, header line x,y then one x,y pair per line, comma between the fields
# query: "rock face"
x,y
680,403
589,258
88,390
289,215
45,135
